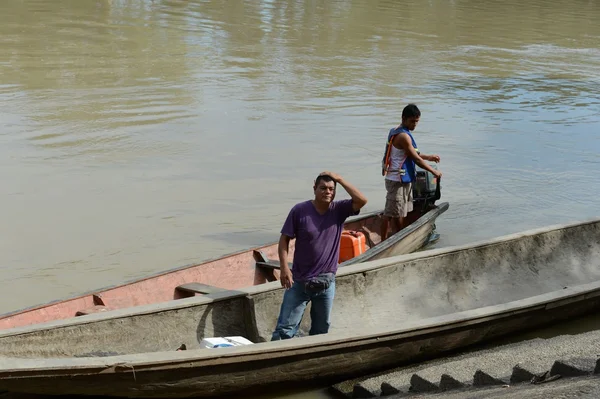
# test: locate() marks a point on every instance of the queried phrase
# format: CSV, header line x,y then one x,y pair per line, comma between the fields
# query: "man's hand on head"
x,y
333,175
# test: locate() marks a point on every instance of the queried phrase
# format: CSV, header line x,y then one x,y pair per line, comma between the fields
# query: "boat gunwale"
x,y
363,267
311,344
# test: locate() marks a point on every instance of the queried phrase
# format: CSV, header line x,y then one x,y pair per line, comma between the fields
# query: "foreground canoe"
x,y
386,313
251,267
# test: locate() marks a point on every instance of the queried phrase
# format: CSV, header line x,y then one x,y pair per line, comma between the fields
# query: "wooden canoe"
x,y
250,267
387,313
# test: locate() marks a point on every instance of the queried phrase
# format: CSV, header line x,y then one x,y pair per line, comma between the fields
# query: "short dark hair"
x,y
325,178
410,111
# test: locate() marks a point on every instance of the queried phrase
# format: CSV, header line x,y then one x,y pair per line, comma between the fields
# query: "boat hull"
x,y
287,366
387,313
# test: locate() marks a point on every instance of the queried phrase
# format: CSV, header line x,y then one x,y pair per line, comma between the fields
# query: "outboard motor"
x,y
426,189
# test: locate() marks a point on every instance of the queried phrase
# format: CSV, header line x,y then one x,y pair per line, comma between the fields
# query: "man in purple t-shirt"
x,y
317,227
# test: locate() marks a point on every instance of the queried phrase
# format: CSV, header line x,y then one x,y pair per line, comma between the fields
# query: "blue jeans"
x,y
292,309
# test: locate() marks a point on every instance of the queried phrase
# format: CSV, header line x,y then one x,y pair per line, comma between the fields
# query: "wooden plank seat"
x,y
262,260
199,288
271,264
99,306
92,310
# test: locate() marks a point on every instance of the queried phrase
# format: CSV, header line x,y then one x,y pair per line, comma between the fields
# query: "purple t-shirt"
x,y
317,237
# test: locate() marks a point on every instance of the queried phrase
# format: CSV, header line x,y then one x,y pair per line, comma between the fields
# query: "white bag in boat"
x,y
222,342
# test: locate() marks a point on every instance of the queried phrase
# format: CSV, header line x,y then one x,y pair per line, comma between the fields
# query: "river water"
x,y
136,136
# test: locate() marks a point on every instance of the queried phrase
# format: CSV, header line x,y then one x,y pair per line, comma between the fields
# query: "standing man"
x,y
398,167
317,227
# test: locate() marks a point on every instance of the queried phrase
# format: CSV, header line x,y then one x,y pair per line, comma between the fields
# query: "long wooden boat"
x,y
250,267
387,313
